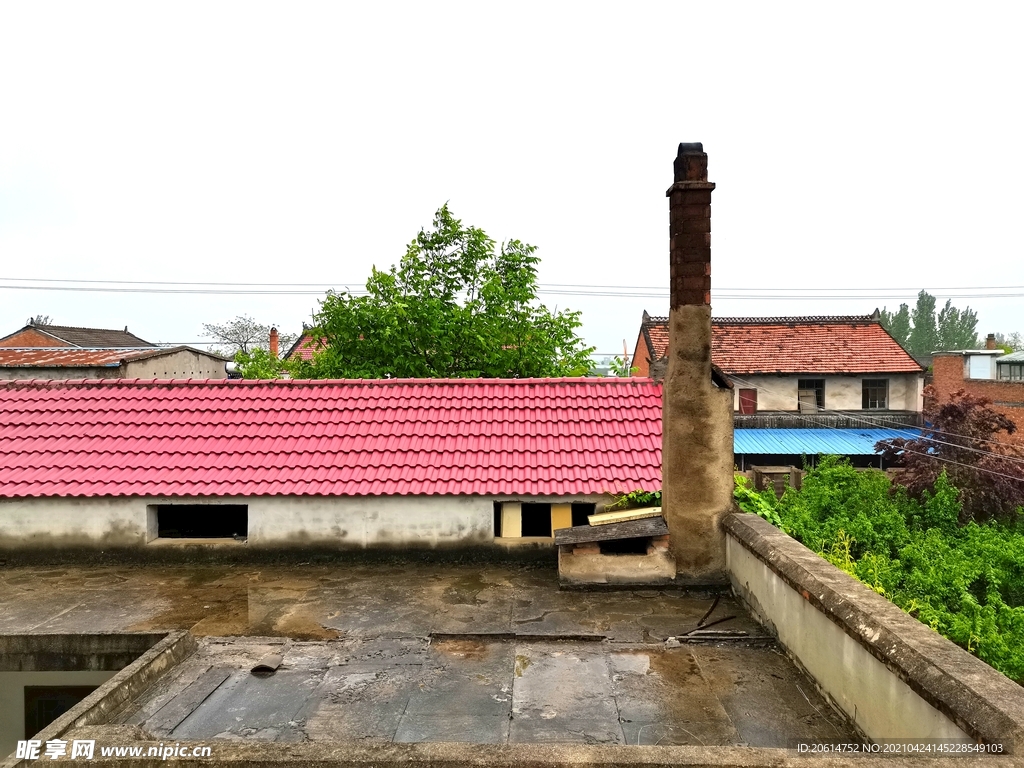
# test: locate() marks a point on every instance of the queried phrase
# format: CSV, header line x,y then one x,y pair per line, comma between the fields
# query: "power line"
x,y
617,294
561,289
547,285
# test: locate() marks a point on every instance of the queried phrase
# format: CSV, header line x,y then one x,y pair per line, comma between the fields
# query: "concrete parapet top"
x,y
979,699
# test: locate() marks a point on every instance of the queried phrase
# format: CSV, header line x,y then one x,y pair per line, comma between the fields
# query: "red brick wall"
x,y
641,357
1007,396
32,338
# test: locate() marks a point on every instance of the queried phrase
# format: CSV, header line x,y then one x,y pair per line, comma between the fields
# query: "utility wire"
x,y
547,285
561,289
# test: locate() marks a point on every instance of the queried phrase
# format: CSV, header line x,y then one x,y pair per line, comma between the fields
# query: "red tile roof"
x,y
789,345
557,437
303,348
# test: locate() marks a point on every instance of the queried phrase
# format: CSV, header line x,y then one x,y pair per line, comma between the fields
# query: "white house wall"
x,y
842,393
60,374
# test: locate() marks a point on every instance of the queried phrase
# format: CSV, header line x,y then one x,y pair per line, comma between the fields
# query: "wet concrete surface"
x,y
415,652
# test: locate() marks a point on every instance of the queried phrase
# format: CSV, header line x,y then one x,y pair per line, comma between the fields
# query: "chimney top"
x,y
691,163
990,341
273,342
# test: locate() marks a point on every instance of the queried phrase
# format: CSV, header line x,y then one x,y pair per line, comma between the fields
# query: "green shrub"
x,y
966,582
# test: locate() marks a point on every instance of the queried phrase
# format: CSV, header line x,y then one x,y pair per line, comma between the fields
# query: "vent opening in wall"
x,y
201,521
581,511
536,520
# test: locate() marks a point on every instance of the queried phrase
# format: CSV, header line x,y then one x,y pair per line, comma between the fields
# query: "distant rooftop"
x,y
77,357
95,338
818,344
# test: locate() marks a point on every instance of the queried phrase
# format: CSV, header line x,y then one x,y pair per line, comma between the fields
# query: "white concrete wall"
x,y
60,374
98,522
876,700
371,521
842,393
273,520
180,365
12,700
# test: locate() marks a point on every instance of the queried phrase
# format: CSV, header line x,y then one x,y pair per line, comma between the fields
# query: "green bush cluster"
x,y
966,582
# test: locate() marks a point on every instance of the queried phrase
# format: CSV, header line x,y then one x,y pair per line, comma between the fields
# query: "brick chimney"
x,y
990,341
697,403
273,342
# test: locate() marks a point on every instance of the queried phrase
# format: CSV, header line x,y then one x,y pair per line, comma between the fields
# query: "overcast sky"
x,y
875,148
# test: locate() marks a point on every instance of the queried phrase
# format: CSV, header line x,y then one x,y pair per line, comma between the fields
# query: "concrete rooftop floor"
x,y
415,652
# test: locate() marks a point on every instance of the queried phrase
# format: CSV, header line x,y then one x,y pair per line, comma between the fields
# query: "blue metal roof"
x,y
843,442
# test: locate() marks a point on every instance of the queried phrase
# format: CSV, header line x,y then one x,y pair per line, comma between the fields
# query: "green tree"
x,y
456,306
924,336
243,334
897,324
1010,342
258,364
922,331
957,329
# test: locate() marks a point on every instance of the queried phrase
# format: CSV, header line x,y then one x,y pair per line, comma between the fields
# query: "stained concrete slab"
x,y
409,652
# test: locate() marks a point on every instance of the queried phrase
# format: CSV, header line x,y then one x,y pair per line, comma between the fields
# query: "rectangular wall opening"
x,y
625,546
202,521
497,519
536,520
580,513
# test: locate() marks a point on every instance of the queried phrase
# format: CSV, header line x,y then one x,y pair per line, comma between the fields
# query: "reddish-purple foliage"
x,y
990,476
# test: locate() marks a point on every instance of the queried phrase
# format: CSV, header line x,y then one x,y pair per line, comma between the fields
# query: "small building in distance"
x,y
120,363
34,336
988,373
802,365
67,352
804,386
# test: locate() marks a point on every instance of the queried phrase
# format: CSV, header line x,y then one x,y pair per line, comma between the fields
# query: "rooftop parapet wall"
x,y
893,676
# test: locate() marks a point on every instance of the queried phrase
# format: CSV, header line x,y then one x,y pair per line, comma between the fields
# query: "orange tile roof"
x,y
59,357
788,345
74,357
303,348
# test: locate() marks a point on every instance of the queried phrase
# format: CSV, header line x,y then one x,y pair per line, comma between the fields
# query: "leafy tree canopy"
x,y
922,330
243,334
957,440
456,306
1010,342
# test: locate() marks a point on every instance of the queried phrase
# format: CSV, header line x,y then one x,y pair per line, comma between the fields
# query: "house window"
x,y
1011,371
875,394
201,521
748,401
811,394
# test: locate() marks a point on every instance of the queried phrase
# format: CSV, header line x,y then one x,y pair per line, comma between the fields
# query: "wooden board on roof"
x,y
622,515
630,529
